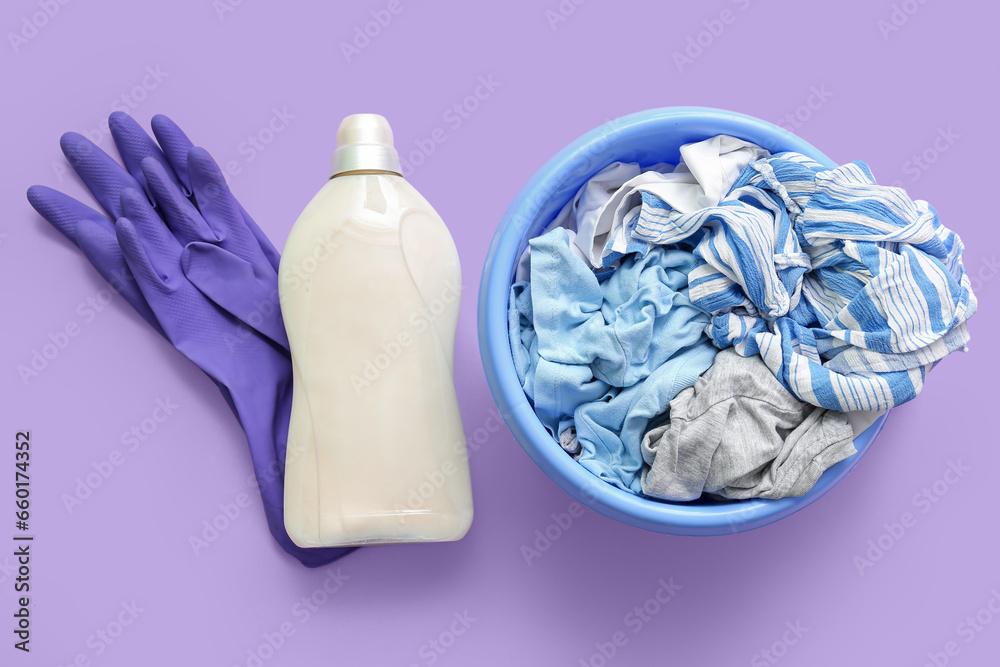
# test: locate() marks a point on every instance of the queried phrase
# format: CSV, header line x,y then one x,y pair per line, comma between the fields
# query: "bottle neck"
x,y
362,172
366,157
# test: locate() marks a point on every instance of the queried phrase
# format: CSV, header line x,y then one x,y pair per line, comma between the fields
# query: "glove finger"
x,y
184,219
175,145
100,245
236,286
160,250
134,145
63,212
104,177
206,175
270,252
218,206
146,277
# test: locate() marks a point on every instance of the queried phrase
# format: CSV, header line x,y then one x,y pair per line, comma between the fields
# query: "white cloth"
x,y
580,213
705,175
599,216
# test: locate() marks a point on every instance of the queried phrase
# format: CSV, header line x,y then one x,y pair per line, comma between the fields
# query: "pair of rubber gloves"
x,y
185,255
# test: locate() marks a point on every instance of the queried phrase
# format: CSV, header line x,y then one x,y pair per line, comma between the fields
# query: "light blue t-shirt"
x,y
606,357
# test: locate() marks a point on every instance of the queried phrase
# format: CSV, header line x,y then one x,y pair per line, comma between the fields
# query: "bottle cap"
x,y
364,143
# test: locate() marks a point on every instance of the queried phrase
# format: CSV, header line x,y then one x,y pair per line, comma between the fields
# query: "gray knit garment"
x,y
738,433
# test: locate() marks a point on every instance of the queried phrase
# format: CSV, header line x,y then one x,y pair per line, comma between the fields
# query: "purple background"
x,y
222,79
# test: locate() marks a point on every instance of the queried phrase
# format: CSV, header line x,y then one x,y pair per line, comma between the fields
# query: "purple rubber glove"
x,y
193,264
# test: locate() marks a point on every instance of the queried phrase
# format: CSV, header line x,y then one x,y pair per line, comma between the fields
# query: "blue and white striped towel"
x,y
850,291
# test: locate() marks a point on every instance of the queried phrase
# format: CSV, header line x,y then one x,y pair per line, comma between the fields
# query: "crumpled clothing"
x,y
604,209
849,291
581,211
705,175
739,434
606,357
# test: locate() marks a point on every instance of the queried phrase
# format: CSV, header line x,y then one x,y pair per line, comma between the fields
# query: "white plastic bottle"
x,y
370,288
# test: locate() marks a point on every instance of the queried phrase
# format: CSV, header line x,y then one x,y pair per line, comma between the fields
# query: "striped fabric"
x,y
849,291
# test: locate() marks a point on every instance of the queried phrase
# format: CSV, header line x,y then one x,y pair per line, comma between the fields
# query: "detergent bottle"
x,y
370,286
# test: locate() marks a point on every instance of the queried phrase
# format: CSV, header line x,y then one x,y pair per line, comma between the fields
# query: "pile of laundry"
x,y
704,328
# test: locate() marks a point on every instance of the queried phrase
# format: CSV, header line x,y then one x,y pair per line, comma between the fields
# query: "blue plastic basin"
x,y
647,137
